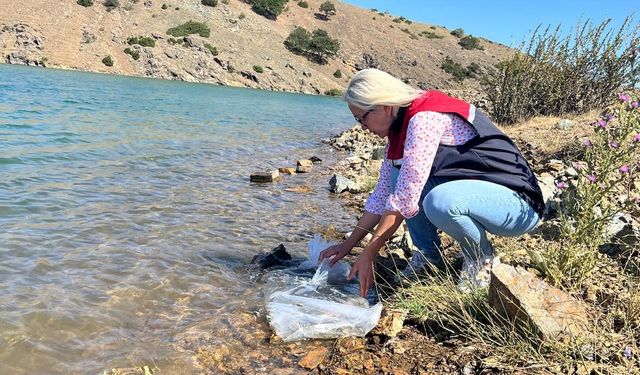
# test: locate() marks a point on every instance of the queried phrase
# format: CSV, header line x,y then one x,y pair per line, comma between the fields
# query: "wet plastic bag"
x,y
327,306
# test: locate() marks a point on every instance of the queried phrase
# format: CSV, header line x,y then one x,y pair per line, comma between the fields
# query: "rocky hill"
x,y
63,34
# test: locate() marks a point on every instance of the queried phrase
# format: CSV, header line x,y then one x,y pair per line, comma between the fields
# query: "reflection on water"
x,y
125,211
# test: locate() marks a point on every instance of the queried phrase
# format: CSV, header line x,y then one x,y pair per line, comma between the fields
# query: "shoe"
x,y
419,265
476,273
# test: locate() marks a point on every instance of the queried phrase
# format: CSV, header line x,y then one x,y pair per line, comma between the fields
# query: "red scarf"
x,y
433,101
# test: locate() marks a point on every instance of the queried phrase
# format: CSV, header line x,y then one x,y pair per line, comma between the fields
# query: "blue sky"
x,y
506,22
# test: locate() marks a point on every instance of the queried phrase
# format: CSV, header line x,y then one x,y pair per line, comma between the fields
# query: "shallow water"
x,y
126,211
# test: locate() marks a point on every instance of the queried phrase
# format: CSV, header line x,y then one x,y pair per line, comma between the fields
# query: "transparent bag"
x,y
326,306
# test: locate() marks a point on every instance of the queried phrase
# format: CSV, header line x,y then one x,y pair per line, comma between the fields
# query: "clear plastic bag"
x,y
326,306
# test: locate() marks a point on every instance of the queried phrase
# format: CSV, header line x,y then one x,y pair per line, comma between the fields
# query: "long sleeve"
x,y
377,200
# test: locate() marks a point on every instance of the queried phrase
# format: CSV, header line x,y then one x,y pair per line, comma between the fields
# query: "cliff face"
x,y
63,34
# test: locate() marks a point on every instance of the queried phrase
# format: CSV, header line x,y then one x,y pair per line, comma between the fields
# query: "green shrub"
x,y
85,3
210,3
270,9
212,49
144,41
242,16
303,4
164,6
322,45
411,35
133,53
431,35
107,60
333,92
318,45
225,2
474,70
189,28
111,4
328,9
459,33
258,69
397,20
470,42
298,40
337,74
556,75
455,69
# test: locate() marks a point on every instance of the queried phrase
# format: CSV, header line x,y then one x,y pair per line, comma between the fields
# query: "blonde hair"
x,y
373,87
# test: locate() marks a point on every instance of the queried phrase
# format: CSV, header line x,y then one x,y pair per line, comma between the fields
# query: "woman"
x,y
447,167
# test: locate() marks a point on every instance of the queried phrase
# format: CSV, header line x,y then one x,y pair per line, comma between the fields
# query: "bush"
x,y
333,92
470,42
189,28
318,45
322,45
457,33
556,75
270,9
225,2
133,53
242,16
455,69
258,69
164,6
337,74
474,70
212,49
110,4
328,9
210,3
303,4
85,3
411,35
143,41
298,40
107,60
431,35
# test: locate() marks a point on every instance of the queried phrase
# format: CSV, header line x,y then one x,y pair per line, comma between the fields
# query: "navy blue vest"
x,y
491,156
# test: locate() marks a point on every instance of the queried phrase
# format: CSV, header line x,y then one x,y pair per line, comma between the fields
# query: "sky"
x,y
506,22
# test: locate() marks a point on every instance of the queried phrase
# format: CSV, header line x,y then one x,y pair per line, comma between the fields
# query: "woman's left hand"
x,y
365,268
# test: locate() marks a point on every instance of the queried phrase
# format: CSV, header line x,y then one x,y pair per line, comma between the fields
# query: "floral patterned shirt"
x,y
425,132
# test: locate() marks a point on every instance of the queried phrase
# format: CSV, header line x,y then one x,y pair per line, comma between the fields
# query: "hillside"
x,y
63,34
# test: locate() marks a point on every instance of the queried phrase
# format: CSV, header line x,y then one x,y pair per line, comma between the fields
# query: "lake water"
x,y
126,211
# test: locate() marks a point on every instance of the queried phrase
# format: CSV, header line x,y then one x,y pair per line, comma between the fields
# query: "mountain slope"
x,y
63,34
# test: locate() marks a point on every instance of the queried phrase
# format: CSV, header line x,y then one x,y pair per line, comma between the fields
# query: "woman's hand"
x,y
335,252
365,268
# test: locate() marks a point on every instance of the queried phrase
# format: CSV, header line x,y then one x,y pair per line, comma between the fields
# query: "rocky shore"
x,y
403,343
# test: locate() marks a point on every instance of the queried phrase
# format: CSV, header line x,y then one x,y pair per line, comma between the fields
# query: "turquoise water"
x,y
126,210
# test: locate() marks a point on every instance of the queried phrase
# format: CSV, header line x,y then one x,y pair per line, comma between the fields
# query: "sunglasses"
x,y
361,119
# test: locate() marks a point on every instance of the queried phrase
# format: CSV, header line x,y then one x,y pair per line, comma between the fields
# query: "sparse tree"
x,y
328,9
322,45
299,40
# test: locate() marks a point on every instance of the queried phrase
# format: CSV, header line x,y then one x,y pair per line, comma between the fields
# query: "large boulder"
x,y
526,300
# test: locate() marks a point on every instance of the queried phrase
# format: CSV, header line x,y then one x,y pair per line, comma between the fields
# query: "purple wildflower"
x,y
562,185
609,117
602,123
587,143
614,144
627,352
635,104
578,165
591,178
623,98
637,138
624,169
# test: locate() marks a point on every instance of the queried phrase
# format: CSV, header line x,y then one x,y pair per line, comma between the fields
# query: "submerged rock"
x,y
270,176
278,256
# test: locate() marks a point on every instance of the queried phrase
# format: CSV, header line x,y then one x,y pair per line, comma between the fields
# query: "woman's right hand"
x,y
335,252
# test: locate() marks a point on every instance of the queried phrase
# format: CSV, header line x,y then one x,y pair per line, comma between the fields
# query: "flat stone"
x,y
525,299
390,323
303,169
287,170
555,165
304,166
338,184
270,176
314,358
299,189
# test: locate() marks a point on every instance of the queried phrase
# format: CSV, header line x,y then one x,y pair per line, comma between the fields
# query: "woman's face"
x,y
377,120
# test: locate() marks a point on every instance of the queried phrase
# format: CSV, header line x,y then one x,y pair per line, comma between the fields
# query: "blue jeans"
x,y
466,210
